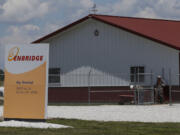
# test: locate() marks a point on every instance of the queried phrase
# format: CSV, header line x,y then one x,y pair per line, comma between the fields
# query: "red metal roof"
x,y
166,32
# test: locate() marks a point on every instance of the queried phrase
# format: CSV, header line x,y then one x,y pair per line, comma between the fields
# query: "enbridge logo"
x,y
13,53
14,56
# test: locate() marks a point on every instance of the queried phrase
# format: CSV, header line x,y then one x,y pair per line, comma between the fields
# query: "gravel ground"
x,y
30,124
151,113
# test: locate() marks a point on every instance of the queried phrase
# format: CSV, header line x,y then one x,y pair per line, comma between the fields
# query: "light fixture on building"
x,y
96,32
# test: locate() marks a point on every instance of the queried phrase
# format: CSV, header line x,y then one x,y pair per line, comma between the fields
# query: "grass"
x,y
82,127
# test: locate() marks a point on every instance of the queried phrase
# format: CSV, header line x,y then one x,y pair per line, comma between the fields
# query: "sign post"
x,y
26,82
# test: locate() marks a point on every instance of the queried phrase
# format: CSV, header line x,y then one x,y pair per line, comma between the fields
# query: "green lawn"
x,y
82,127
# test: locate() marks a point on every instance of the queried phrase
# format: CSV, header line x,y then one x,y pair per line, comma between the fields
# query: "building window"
x,y
54,75
137,74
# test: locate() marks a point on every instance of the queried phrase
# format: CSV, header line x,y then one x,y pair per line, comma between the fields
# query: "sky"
x,y
23,21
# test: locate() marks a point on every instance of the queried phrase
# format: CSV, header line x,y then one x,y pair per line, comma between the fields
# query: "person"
x,y
159,90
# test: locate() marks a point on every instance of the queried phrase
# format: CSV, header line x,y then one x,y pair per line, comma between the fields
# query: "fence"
x,y
145,91
103,87
141,90
174,88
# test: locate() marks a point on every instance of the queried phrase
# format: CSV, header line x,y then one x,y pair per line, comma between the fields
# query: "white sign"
x,y
26,81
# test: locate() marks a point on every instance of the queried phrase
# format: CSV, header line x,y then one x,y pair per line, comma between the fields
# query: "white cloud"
x,y
51,27
86,3
70,10
168,9
74,3
147,13
124,6
16,11
23,10
30,27
20,34
120,7
73,8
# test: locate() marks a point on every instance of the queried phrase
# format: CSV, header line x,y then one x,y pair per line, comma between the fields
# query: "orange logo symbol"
x,y
13,53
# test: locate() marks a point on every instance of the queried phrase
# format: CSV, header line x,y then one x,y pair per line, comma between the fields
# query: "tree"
x,y
1,75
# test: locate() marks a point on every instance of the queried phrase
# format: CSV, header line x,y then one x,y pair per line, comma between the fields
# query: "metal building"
x,y
110,53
